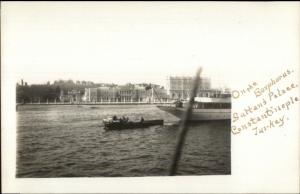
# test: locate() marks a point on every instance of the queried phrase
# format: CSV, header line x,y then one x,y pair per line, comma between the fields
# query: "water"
x,y
69,141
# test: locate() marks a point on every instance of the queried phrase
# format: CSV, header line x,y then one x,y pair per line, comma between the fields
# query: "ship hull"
x,y
200,114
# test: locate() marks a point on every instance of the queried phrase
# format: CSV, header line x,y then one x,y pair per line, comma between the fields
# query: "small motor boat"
x,y
111,124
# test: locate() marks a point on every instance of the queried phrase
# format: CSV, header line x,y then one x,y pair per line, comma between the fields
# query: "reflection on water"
x,y
69,141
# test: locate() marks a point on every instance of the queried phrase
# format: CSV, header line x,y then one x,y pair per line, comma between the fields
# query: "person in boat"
x,y
142,119
123,120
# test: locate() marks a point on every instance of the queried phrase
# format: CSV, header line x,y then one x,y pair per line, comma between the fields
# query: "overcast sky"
x,y
143,41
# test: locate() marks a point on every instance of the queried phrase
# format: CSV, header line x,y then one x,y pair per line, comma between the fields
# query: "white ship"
x,y
214,106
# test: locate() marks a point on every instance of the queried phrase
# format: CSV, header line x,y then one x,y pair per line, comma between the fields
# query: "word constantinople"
x,y
273,100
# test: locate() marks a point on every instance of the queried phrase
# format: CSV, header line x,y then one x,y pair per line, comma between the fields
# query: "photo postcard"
x,y
155,97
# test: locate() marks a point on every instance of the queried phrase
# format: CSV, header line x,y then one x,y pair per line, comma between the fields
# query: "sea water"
x,y
69,141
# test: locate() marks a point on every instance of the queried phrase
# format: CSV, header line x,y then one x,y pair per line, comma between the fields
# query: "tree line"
x,y
49,92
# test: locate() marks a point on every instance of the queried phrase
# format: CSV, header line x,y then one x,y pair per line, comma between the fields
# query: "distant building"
x,y
161,94
107,94
101,94
156,93
73,96
140,94
62,96
125,93
90,95
179,87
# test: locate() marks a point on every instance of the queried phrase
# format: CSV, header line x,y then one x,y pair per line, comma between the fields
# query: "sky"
x,y
116,42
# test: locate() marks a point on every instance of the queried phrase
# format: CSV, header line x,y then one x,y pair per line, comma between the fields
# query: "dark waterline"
x,y
69,141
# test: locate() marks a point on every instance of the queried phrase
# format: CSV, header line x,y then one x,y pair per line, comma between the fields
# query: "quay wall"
x,y
99,103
